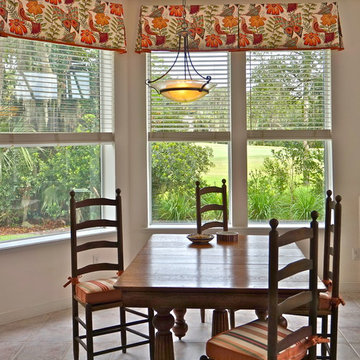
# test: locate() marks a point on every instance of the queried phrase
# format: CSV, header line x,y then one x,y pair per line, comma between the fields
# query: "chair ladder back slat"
x,y
211,224
294,236
96,245
294,268
95,223
95,202
210,207
294,338
97,267
210,189
292,302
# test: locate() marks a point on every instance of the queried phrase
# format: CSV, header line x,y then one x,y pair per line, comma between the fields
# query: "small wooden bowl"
x,y
227,236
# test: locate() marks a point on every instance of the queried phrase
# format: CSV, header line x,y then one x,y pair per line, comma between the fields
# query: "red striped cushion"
x,y
97,291
249,342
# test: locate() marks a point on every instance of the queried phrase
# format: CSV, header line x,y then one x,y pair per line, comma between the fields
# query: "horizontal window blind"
x,y
288,90
209,114
47,87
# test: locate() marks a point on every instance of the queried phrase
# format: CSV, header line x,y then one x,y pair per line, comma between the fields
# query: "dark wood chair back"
x,y
201,209
329,302
278,306
96,243
331,268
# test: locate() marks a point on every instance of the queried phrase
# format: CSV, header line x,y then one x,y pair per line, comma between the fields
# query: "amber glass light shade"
x,y
183,90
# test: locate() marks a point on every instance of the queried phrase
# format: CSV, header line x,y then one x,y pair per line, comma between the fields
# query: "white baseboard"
x,y
36,310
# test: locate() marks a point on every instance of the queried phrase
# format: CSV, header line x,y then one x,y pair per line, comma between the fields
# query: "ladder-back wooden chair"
x,y
267,340
330,300
201,208
95,294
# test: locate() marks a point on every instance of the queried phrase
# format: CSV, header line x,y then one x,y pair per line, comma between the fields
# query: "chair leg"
x,y
75,325
89,333
202,315
232,318
334,330
151,334
123,329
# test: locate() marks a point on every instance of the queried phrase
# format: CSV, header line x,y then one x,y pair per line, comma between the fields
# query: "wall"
x,y
32,277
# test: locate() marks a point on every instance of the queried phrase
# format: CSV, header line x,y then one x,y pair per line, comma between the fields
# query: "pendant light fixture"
x,y
185,89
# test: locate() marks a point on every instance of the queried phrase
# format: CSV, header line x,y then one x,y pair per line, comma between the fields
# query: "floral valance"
x,y
88,23
237,27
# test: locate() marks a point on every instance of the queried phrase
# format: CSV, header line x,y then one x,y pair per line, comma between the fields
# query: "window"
x,y
187,142
55,127
287,138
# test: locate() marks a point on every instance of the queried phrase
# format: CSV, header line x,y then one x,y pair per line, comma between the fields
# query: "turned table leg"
x,y
163,322
180,328
220,321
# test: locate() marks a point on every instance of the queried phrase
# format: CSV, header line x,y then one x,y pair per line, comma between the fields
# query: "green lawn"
x,y
15,236
220,170
256,156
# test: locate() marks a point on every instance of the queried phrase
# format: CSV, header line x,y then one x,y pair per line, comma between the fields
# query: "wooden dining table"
x,y
171,273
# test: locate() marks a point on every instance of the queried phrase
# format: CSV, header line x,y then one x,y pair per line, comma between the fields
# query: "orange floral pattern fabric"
x,y
239,27
89,23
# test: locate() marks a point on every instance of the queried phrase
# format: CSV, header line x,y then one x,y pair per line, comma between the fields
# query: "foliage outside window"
x,y
53,99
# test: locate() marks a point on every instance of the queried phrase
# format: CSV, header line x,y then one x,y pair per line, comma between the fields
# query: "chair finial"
x,y
314,215
223,181
329,193
72,193
118,191
274,223
338,198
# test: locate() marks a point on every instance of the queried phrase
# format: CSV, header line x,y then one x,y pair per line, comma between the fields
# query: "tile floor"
x,y
48,337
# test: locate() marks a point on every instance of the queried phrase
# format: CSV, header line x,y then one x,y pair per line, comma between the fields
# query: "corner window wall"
x,y
55,125
187,142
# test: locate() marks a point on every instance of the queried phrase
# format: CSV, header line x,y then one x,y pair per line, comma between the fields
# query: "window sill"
x,y
251,229
50,239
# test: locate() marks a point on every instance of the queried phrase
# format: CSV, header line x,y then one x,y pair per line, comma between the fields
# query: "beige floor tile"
x,y
49,336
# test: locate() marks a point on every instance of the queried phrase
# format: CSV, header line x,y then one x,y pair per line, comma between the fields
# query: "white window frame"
x,y
238,139
208,136
107,155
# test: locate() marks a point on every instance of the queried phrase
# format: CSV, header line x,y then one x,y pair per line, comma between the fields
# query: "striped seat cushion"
x,y
97,291
249,342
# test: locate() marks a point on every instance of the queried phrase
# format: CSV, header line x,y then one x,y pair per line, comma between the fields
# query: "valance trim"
x,y
241,27
86,23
